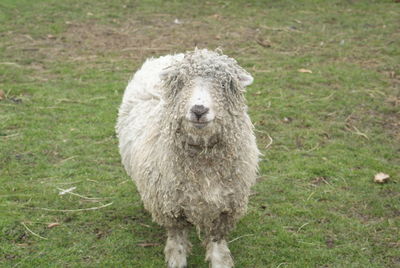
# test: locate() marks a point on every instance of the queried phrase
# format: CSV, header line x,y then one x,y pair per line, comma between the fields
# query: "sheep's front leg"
x,y
177,247
218,254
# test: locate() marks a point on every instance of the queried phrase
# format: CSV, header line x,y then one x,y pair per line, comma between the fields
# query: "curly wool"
x,y
183,175
206,64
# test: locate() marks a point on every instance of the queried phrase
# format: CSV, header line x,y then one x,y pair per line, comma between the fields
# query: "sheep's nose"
x,y
199,111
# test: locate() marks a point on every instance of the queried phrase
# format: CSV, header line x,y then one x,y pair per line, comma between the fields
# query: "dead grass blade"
x,y
356,131
75,210
67,191
146,245
237,238
32,232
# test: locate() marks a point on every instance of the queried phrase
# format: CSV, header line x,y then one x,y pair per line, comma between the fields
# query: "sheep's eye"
x,y
229,86
232,86
225,86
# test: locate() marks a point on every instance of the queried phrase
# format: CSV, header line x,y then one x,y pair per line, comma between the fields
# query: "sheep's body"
x,y
187,175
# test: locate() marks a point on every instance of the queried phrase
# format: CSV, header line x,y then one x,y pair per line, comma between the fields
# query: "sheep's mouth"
x,y
200,124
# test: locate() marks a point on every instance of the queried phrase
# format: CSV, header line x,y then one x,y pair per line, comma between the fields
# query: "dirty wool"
x,y
187,141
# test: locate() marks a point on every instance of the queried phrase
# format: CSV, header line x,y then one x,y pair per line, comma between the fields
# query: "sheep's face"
x,y
203,97
200,107
208,103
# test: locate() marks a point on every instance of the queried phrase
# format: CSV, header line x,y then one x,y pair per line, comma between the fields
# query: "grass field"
x,y
325,131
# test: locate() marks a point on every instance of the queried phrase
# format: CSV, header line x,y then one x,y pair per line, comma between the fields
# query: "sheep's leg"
x,y
217,251
218,254
177,247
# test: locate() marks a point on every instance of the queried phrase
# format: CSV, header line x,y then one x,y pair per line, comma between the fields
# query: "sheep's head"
x,y
204,93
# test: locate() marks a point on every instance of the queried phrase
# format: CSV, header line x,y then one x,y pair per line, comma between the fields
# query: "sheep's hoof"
x,y
175,257
176,261
177,266
218,255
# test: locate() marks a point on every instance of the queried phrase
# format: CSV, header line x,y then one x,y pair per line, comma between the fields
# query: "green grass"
x,y
64,66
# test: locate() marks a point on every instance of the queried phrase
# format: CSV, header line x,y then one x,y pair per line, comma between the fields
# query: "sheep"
x,y
188,143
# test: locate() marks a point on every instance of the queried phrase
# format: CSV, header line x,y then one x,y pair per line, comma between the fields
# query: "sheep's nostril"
x,y
199,111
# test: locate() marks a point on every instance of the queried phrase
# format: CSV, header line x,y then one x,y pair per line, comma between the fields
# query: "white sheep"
x,y
186,140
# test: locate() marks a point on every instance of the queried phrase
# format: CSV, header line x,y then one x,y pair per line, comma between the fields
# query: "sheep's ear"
x,y
245,79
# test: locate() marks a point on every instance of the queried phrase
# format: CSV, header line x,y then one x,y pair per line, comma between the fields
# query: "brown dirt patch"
x,y
133,39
